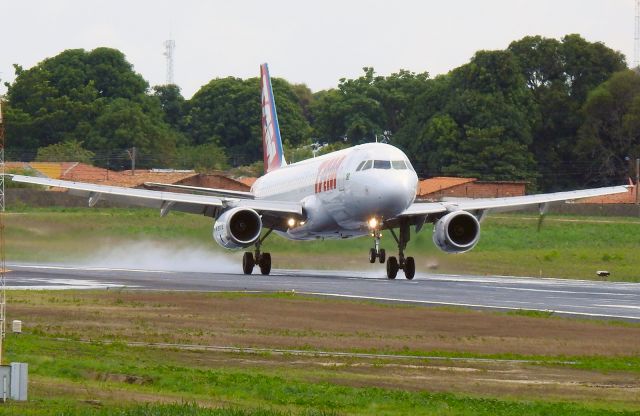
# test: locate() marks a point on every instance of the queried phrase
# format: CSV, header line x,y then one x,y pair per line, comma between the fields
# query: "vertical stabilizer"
x,y
271,140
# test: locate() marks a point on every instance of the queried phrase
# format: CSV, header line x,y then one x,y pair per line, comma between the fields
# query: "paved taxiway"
x,y
575,297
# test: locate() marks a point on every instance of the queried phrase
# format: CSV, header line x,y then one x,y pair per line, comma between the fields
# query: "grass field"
x,y
99,352
570,247
82,362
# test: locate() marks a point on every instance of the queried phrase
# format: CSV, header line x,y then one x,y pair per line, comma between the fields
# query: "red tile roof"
x,y
439,183
625,198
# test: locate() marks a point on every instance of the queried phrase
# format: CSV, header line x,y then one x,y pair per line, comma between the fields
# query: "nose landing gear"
x,y
377,252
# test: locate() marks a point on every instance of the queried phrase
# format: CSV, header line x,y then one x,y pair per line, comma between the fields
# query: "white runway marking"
x,y
619,306
526,289
470,305
66,284
88,269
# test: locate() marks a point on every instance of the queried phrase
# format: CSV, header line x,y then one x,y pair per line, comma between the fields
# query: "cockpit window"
x,y
367,165
409,165
399,164
361,165
382,164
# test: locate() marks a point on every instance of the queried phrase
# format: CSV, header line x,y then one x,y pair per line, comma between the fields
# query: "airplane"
x,y
354,192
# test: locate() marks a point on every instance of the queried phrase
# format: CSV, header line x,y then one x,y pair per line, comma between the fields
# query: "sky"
x,y
315,43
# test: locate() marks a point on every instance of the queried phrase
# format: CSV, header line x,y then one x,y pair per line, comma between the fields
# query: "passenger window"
x,y
361,165
367,165
398,164
382,164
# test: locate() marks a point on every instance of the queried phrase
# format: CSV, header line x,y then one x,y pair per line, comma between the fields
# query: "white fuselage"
x,y
341,191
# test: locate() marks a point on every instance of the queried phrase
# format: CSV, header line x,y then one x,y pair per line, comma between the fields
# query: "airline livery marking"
x,y
327,178
270,131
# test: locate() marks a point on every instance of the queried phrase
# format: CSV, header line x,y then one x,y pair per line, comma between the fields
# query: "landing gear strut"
x,y
377,252
407,264
263,260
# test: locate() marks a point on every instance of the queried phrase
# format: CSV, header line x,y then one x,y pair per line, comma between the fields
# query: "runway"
x,y
563,297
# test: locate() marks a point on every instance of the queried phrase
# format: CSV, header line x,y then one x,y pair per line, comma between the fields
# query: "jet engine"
x,y
456,232
237,228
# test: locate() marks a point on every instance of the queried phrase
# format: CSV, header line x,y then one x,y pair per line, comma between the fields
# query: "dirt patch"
x,y
317,324
299,322
120,378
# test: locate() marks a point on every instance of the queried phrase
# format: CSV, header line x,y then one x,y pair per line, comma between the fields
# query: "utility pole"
x,y
637,180
3,282
132,156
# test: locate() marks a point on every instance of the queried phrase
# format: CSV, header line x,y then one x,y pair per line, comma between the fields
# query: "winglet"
x,y
271,140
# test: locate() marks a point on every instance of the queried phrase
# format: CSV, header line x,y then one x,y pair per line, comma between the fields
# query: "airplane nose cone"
x,y
390,196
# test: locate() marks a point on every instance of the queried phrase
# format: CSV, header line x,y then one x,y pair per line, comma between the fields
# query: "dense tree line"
x,y
559,113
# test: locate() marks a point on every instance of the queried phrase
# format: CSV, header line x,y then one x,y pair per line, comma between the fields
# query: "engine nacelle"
x,y
456,232
237,228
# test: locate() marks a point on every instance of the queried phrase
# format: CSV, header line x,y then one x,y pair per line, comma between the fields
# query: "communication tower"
x,y
636,39
169,47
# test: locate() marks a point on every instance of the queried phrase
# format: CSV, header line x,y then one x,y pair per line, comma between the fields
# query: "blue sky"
x,y
311,42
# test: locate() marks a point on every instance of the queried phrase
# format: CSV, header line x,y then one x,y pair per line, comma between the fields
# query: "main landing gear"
x,y
407,264
263,260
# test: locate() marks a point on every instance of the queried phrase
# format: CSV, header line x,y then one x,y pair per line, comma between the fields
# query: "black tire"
x,y
382,256
409,268
392,267
265,263
372,255
248,263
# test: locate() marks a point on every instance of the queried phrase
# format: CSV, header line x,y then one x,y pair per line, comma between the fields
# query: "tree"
x,y
172,103
560,74
227,112
367,106
91,97
611,130
69,151
203,158
122,124
474,121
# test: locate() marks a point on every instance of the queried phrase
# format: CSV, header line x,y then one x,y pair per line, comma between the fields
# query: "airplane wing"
x,y
201,190
165,201
512,203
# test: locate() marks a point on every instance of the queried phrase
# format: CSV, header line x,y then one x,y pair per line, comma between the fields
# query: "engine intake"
x,y
237,228
456,232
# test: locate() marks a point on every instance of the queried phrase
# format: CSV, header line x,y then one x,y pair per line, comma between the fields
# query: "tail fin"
x,y
271,140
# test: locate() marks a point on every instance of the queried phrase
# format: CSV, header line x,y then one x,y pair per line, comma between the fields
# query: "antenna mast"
x,y
169,47
3,298
636,43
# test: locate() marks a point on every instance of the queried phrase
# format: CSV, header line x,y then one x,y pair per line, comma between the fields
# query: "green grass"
x,y
567,246
272,392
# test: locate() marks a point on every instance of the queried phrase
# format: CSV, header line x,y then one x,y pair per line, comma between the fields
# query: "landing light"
x,y
291,222
373,223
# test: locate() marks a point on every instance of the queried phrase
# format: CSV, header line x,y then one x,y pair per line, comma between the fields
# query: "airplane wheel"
x,y
392,267
265,263
372,255
409,268
382,256
248,263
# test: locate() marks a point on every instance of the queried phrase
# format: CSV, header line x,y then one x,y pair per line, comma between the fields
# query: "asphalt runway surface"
x,y
564,297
